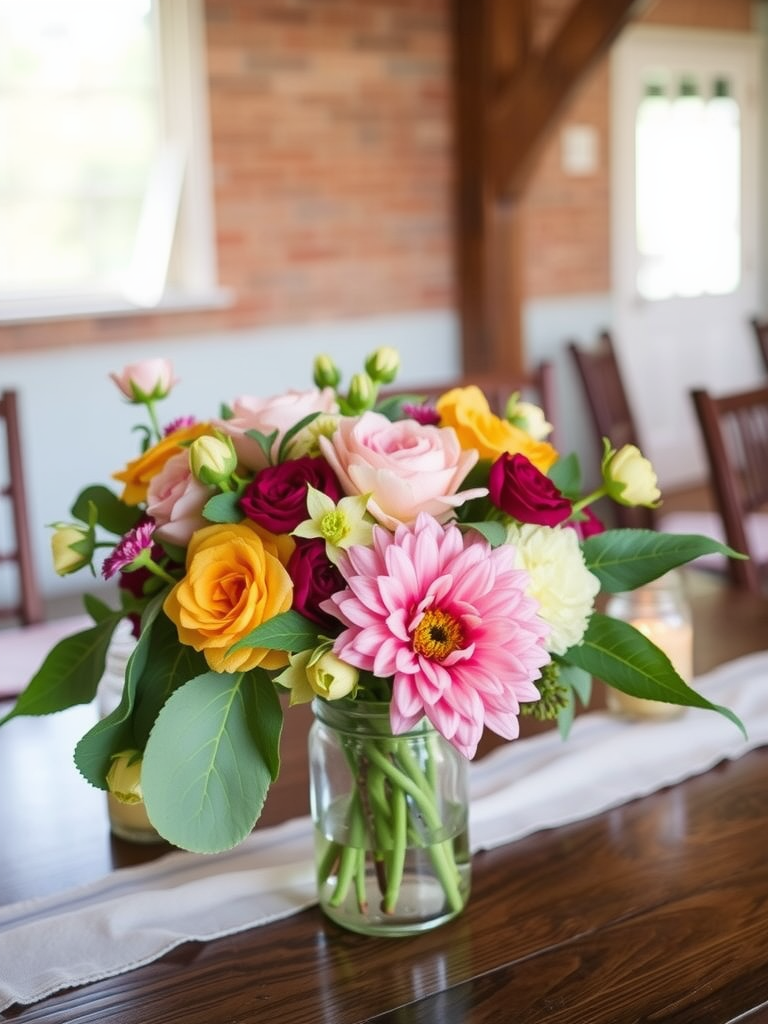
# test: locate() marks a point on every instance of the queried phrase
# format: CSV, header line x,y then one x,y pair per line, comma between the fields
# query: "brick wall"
x,y
331,139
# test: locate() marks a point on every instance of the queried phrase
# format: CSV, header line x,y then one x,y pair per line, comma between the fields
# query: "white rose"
x,y
560,580
630,477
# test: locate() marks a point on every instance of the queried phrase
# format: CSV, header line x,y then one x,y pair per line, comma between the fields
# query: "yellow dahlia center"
x,y
438,635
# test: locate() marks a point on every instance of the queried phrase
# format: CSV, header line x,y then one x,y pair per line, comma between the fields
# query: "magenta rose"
x,y
315,579
518,488
276,498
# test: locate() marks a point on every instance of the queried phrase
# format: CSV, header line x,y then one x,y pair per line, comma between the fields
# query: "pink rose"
x,y
148,380
175,500
272,414
407,467
521,490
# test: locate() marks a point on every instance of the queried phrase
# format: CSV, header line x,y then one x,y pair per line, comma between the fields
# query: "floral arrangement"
x,y
343,546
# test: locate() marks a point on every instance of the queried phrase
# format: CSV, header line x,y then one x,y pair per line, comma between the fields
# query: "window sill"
x,y
36,310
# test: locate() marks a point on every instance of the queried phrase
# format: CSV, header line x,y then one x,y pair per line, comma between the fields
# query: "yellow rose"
x,y
234,582
138,473
467,411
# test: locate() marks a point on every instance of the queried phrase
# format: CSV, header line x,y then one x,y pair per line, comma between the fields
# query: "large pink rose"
x,y
175,501
407,467
266,415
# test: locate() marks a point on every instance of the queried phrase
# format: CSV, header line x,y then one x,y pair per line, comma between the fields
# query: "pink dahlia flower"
x,y
449,620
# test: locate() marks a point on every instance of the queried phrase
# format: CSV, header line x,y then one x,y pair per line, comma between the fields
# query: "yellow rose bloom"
x,y
137,474
467,411
235,580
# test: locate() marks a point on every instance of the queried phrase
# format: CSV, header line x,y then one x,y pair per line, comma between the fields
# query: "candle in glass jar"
x,y
659,611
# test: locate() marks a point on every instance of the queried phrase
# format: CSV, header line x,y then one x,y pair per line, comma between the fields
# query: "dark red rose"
x,y
518,488
315,578
587,527
276,498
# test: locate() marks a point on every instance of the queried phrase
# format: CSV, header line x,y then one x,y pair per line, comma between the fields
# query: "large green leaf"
x,y
113,514
70,672
625,559
566,475
288,631
623,657
208,763
115,732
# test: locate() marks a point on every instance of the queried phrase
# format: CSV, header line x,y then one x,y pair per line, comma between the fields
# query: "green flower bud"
x,y
382,366
629,477
72,548
362,393
213,460
326,373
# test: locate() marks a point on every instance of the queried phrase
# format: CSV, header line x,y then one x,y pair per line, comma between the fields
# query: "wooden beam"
x,y
523,111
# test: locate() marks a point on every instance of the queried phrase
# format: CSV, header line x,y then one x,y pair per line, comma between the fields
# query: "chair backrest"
x,y
538,386
760,328
735,432
18,549
610,411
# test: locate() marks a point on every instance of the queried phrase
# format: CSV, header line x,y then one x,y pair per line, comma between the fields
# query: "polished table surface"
x,y
654,911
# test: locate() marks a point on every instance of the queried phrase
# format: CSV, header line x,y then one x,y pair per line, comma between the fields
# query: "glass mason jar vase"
x,y
390,818
661,611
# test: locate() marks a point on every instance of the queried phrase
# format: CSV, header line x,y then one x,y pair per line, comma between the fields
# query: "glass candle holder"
x,y
660,611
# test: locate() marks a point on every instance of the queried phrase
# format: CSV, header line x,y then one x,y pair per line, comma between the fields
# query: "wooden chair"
x,y
760,328
735,432
538,386
28,608
610,411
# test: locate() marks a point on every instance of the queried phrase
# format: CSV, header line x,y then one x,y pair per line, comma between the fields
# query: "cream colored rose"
x,y
560,580
629,477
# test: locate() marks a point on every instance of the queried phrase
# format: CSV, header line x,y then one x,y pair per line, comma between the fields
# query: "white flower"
x,y
629,477
340,526
560,580
528,417
318,673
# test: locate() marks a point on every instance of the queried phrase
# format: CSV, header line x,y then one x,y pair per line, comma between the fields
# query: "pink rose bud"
x,y
145,381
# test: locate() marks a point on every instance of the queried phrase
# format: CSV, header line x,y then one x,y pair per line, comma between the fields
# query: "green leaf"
x,y
566,475
290,434
495,533
264,441
579,685
96,608
288,631
113,514
69,674
625,559
223,508
115,732
208,763
624,658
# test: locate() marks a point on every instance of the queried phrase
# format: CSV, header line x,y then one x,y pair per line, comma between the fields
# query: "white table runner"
x,y
135,915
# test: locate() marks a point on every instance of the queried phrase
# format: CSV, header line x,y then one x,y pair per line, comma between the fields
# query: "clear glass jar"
x,y
390,817
661,611
126,821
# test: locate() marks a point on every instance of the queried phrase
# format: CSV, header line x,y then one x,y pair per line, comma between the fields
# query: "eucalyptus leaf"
x,y
288,631
495,533
626,559
69,674
113,514
208,763
626,659
264,441
115,732
565,474
223,508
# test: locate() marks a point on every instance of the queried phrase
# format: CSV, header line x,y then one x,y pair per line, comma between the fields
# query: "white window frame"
x,y
174,265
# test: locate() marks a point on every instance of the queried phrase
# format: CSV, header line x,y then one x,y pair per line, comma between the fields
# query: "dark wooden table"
x,y
655,911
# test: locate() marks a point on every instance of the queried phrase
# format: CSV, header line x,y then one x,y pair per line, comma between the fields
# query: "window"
x,y
688,161
104,166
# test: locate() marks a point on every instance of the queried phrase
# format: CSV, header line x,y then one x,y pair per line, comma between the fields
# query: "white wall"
x,y
76,428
